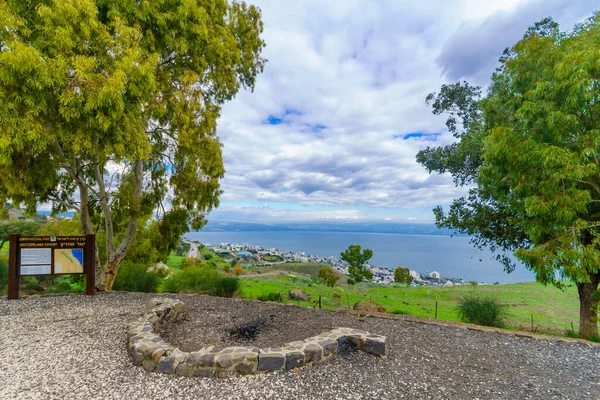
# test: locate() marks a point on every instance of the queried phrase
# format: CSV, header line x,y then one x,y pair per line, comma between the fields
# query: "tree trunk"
x,y
588,306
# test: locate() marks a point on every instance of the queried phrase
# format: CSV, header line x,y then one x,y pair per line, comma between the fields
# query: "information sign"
x,y
50,255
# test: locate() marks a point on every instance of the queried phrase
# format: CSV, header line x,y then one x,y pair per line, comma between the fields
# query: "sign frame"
x,y
18,243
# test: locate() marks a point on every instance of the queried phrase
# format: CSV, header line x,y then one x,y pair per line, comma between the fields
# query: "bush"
x,y
135,278
400,312
192,280
190,263
482,310
226,268
238,270
3,273
328,275
225,287
273,296
350,281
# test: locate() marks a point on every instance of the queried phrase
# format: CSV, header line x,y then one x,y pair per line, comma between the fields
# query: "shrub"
x,y
400,312
482,310
350,281
227,268
328,275
190,263
238,270
192,280
273,296
3,273
60,287
135,278
225,287
473,283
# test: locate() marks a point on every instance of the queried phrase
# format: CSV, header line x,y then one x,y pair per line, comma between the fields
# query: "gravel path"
x,y
73,347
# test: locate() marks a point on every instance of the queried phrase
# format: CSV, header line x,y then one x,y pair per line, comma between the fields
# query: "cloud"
x,y
473,50
338,115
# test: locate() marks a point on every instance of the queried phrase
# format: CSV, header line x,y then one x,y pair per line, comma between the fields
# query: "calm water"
x,y
451,256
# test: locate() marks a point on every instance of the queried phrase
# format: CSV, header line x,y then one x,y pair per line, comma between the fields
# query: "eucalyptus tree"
x,y
530,151
111,108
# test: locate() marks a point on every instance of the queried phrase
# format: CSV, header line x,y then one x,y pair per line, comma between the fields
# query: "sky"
x,y
335,121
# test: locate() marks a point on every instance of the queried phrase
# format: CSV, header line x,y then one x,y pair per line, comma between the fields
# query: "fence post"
x,y
347,300
436,309
319,301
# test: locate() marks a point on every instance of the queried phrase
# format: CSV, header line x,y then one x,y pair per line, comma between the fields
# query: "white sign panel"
x,y
36,257
35,270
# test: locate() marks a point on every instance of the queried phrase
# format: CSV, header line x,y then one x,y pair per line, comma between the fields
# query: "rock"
x,y
375,345
312,353
166,365
297,294
368,307
336,296
294,359
159,269
270,362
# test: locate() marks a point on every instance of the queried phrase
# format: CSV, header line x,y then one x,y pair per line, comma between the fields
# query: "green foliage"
x,y
227,268
328,275
225,287
3,273
400,312
350,281
357,260
271,296
15,226
192,280
90,84
190,263
530,149
182,248
402,275
59,226
482,310
135,278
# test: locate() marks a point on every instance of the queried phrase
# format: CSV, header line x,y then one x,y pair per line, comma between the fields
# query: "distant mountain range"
x,y
320,226
367,227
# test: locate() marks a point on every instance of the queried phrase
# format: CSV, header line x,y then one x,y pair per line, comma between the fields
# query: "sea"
x,y
451,256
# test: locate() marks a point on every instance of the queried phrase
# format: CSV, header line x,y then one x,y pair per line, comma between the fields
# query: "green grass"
x,y
552,310
174,261
311,269
4,248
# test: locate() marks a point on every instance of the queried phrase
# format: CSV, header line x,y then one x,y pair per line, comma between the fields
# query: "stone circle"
x,y
148,350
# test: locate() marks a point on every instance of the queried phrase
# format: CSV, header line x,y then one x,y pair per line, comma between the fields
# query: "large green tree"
x,y
530,148
110,108
25,228
356,258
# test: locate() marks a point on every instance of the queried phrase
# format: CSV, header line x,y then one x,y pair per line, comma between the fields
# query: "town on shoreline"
x,y
257,255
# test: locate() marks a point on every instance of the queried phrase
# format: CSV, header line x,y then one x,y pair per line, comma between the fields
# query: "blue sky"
x,y
335,121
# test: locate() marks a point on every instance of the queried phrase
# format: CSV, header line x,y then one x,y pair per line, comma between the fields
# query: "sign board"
x,y
50,255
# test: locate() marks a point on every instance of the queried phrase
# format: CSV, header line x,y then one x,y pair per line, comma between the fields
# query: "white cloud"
x,y
348,80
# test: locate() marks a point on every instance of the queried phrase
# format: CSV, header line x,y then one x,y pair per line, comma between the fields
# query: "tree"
x,y
402,275
110,108
328,275
15,226
357,260
530,147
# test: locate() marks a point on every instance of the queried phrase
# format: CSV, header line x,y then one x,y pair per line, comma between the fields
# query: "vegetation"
x,y
482,310
225,287
357,260
146,104
272,296
529,151
3,273
24,228
192,280
328,275
402,275
238,270
135,278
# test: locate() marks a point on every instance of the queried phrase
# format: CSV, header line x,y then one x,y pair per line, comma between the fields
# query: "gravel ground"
x,y
73,347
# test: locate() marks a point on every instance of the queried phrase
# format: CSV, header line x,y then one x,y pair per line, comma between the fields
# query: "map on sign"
x,y
68,261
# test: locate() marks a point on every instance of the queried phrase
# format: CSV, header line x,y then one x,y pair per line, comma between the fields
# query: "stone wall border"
x,y
148,350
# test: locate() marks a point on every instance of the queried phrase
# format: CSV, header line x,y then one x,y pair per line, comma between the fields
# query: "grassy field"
x,y
552,310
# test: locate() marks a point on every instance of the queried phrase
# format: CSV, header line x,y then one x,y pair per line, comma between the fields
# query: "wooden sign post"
x,y
51,255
